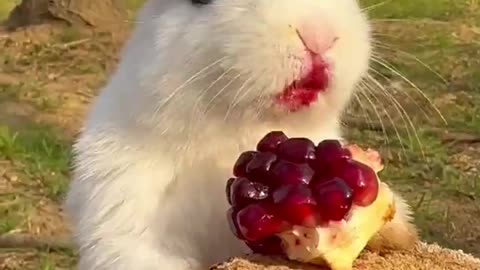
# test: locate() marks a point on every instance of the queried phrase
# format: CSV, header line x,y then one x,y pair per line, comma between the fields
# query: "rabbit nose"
x,y
317,39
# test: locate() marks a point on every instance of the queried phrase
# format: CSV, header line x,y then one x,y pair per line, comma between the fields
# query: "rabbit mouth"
x,y
305,91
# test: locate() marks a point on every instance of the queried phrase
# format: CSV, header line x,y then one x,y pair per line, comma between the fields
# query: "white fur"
x,y
152,161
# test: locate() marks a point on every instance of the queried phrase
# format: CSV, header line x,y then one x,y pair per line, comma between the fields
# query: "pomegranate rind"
x,y
339,244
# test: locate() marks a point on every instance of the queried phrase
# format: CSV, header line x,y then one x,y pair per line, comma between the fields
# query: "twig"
x,y
14,241
460,137
71,43
446,136
470,196
75,42
420,202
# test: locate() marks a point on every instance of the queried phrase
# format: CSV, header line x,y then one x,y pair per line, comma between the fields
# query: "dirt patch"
x,y
33,260
467,159
457,222
39,214
53,72
48,76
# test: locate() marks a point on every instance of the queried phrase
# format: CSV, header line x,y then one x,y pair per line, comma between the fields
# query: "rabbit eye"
x,y
201,2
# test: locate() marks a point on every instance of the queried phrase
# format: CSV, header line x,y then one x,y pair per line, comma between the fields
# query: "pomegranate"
x,y
319,203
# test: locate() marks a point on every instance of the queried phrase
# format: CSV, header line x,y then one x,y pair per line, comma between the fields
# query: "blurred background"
x,y
420,106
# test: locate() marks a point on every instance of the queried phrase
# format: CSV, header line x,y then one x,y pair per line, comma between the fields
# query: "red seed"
x,y
334,199
296,204
227,189
232,223
362,179
290,182
286,173
258,221
258,168
270,141
269,246
240,167
327,153
297,150
244,192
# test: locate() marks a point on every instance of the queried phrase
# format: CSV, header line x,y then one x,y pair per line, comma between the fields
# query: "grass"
x,y
435,46
41,161
134,4
442,10
6,6
36,182
431,48
41,154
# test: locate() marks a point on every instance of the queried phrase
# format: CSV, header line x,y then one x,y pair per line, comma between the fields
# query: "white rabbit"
x,y
198,83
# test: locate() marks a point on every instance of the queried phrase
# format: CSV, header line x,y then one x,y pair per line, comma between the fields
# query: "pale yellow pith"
x,y
339,244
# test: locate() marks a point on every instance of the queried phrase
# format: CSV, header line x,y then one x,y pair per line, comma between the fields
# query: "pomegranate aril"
x,y
289,193
240,167
334,199
362,179
285,173
243,192
232,223
329,152
268,246
227,189
270,141
258,168
296,204
293,194
297,150
258,221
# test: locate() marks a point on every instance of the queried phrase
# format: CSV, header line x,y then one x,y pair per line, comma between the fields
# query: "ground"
x,y
422,115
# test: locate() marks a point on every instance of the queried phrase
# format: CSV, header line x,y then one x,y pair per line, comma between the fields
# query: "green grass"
x,y
40,164
134,4
6,6
42,156
416,9
434,44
